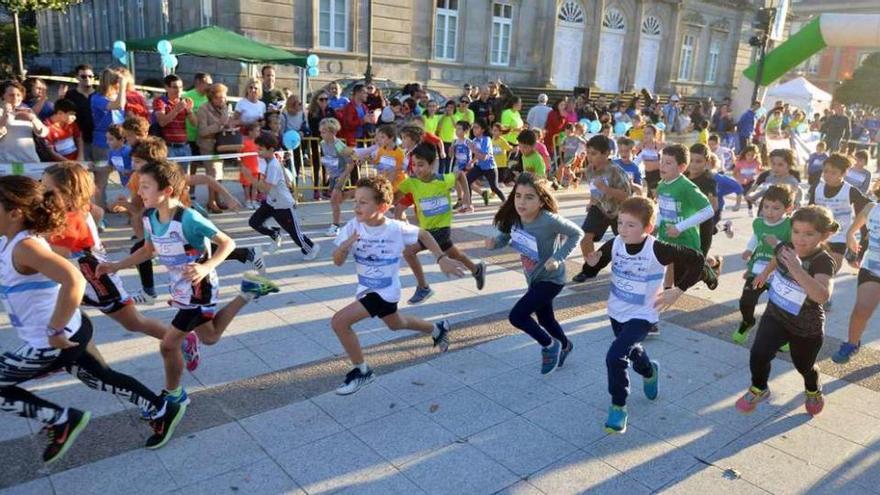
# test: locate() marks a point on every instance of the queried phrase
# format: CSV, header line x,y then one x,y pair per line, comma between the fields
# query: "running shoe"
x,y
313,252
181,398
709,277
480,275
563,354
719,264
485,195
253,283
651,386
846,351
750,400
143,298
255,256
421,294
333,230
786,347
741,334
62,436
654,331
728,229
550,357
814,403
441,341
581,277
616,422
190,348
355,380
164,426
276,242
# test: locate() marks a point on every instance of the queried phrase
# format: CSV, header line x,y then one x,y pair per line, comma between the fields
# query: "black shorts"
x,y
837,247
597,223
443,236
187,320
376,306
866,276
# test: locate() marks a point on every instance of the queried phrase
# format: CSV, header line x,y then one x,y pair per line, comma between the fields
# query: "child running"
x,y
638,265
858,175
378,242
868,292
649,158
182,240
816,163
700,173
274,181
770,228
42,294
430,193
746,170
800,285
501,148
484,162
462,159
783,172
336,158
530,223
844,201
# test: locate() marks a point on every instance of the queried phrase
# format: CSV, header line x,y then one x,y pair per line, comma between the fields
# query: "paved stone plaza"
x,y
478,420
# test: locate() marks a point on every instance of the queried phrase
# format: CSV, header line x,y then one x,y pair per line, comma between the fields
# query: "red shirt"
x,y
62,138
351,122
136,104
249,162
173,132
76,235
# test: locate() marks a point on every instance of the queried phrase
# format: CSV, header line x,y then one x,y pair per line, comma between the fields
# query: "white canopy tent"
x,y
800,93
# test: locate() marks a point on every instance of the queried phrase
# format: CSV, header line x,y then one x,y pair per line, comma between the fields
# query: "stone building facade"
x,y
691,47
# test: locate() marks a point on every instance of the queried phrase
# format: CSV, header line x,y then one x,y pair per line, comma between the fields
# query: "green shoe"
x,y
253,283
741,334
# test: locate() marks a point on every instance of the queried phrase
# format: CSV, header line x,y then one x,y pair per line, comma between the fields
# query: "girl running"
x,y
529,222
800,285
783,172
42,292
746,170
649,158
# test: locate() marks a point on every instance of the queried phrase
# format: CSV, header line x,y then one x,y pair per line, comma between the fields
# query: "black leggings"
x,y
749,300
82,361
491,175
145,269
771,335
286,219
539,300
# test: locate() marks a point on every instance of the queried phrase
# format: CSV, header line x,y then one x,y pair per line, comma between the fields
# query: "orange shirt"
x,y
76,235
249,162
389,163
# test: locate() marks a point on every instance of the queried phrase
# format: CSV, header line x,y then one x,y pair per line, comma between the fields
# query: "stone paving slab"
x,y
474,437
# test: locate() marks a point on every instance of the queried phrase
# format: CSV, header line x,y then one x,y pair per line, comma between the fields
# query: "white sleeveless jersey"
x,y
175,253
29,299
840,207
636,281
871,261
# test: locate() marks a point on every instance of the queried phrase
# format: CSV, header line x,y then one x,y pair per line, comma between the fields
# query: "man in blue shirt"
x,y
746,125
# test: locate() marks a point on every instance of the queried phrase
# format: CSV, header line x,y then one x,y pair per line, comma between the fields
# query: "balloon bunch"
x,y
120,52
169,61
312,65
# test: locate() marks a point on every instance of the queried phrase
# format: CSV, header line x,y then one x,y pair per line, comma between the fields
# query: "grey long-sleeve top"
x,y
538,241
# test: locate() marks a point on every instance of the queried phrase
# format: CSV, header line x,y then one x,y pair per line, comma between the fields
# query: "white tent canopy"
x,y
800,93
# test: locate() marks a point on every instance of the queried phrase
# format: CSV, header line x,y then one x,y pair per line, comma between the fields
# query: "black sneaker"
x,y
62,436
709,277
354,381
441,341
163,427
480,275
580,278
564,354
485,195
654,331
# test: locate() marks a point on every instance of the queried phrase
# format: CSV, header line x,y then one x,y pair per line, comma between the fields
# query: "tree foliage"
x,y
29,45
862,88
28,5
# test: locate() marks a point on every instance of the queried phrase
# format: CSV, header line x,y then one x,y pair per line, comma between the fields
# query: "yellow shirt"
x,y
389,162
500,147
703,137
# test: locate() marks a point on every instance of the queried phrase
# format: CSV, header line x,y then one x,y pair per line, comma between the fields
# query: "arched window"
x,y
571,12
651,26
614,20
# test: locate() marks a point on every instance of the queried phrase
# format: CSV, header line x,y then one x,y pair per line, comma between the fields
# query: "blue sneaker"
x,y
616,422
563,355
441,341
253,283
651,385
845,352
421,294
550,357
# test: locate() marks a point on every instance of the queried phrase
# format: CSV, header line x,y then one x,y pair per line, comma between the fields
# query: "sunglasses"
x,y
322,99
86,76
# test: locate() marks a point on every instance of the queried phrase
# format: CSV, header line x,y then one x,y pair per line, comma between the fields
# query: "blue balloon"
x,y
585,122
169,61
313,72
802,128
620,128
118,52
123,60
291,140
119,44
595,127
163,47
660,126
312,60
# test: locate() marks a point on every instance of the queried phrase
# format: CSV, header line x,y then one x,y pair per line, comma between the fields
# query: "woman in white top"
x,y
18,125
250,109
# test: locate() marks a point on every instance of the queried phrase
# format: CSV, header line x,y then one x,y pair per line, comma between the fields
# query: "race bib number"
x,y
748,172
496,150
330,163
434,206
118,162
387,163
461,158
627,288
668,209
525,243
66,146
787,294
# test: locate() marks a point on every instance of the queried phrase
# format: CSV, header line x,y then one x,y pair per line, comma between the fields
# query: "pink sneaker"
x,y
814,403
190,350
749,401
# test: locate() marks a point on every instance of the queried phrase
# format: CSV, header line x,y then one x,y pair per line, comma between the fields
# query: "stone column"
x,y
590,70
671,52
547,40
629,72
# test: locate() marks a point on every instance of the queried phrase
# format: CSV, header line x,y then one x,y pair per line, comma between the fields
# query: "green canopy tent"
x,y
216,42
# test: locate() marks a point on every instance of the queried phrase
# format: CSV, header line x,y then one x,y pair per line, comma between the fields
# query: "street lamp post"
x,y
368,75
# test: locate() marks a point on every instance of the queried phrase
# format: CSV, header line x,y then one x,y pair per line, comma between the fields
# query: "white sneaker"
x,y
258,262
313,253
276,242
141,298
332,231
